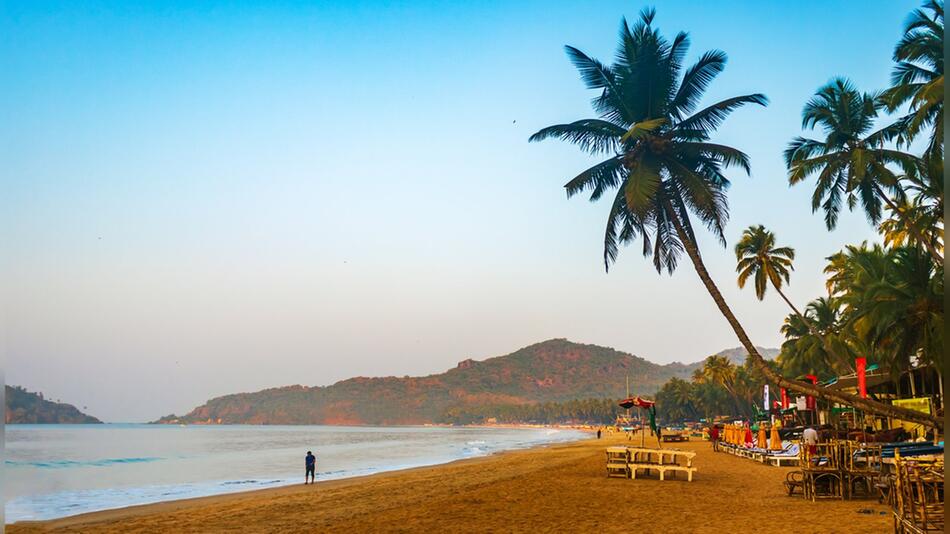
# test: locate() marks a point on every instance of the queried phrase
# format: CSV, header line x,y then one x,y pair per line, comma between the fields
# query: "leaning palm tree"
x,y
918,76
660,159
852,162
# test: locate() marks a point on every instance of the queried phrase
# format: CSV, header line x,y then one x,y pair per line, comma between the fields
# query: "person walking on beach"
x,y
598,433
311,468
714,437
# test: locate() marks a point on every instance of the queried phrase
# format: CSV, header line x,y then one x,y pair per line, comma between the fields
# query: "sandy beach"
x,y
556,488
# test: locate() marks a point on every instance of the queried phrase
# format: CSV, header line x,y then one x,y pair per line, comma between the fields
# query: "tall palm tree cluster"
x,y
884,302
719,387
667,174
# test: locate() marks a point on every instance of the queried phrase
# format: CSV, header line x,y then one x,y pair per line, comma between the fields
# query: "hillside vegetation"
x,y
26,407
557,370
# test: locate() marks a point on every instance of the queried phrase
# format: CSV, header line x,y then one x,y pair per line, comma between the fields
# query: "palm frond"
x,y
695,82
711,117
594,136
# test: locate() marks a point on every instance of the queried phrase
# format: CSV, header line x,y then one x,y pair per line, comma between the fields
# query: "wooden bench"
x,y
625,461
617,459
675,437
642,455
661,461
662,469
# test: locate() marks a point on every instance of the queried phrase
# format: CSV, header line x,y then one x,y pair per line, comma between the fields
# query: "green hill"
x,y
552,371
26,407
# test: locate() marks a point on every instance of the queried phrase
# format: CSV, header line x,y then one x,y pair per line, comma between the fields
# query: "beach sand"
x,y
560,488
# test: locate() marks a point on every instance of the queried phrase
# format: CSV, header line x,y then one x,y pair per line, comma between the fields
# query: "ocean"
x,y
54,471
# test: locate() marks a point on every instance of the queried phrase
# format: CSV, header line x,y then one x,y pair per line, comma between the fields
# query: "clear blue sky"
x,y
202,198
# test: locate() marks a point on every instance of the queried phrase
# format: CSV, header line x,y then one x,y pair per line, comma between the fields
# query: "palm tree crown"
x,y
660,158
852,161
759,258
918,76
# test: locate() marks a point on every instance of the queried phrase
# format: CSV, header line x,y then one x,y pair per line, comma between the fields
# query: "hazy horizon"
x,y
202,200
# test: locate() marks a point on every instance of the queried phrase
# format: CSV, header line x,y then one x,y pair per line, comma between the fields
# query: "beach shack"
x,y
918,388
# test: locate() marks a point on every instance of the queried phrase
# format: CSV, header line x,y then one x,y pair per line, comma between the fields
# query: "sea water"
x,y
59,470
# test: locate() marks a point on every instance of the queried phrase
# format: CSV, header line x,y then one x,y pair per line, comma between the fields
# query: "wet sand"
x,y
561,488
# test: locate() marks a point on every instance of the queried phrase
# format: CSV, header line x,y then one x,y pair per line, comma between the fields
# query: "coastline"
x,y
548,487
31,506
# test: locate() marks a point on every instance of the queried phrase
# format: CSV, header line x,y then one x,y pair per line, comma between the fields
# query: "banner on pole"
x,y
861,365
784,398
765,401
809,400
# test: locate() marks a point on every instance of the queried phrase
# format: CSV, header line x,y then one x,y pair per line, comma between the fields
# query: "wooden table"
x,y
661,461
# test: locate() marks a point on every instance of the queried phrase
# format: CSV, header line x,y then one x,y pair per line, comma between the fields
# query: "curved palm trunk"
x,y
867,405
794,309
931,248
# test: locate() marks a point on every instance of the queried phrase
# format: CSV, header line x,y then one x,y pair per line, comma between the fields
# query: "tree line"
x,y
593,411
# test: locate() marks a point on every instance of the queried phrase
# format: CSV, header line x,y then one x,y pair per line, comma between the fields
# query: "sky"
x,y
203,198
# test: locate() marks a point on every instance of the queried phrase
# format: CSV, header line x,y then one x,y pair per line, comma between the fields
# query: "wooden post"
x,y
643,430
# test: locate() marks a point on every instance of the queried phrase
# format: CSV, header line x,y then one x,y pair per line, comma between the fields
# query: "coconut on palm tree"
x,y
659,158
852,163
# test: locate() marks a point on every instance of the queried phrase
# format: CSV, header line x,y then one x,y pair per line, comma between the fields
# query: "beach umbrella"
x,y
775,441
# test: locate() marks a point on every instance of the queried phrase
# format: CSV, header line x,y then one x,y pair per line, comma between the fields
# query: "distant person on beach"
x,y
714,437
598,433
311,468
810,440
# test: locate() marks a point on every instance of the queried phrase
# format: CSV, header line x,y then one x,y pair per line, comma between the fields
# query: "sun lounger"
x,y
787,456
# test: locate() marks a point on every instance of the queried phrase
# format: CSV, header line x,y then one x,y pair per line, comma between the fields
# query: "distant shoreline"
x,y
215,488
550,487
176,504
583,428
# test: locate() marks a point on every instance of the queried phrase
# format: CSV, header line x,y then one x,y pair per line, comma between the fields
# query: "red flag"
x,y
861,365
784,399
809,400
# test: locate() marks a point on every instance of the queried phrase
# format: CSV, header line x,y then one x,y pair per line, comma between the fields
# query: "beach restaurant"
x,y
857,455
